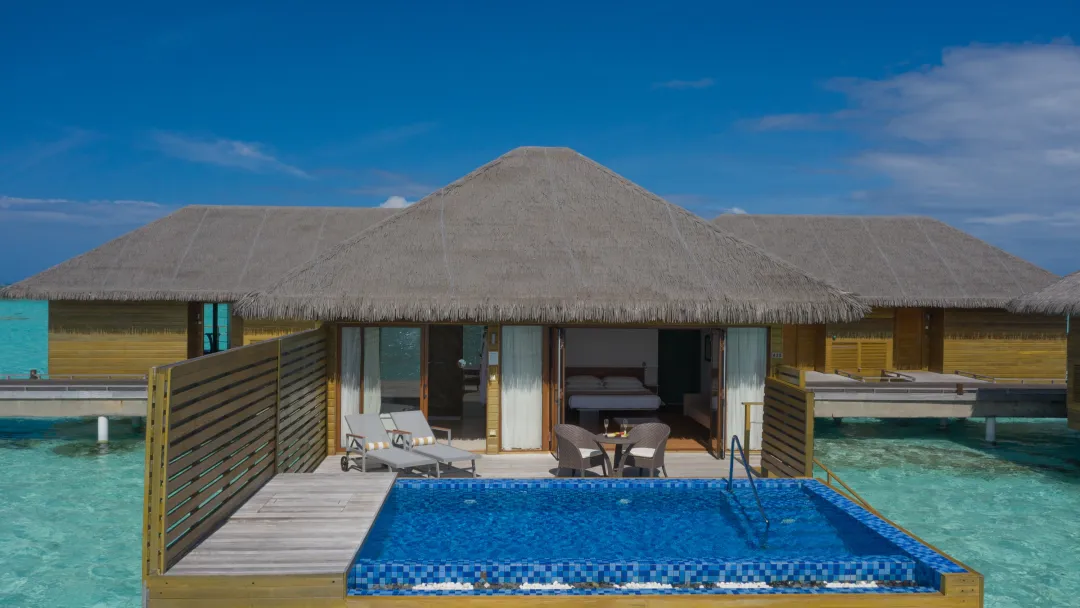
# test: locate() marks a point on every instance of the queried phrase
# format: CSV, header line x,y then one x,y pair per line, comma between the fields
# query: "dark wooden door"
x,y
445,377
909,338
679,369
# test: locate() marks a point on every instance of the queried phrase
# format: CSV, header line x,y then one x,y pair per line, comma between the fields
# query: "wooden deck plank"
x,y
297,523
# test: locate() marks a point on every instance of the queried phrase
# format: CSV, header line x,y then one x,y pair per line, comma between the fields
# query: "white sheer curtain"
x,y
745,381
350,376
522,388
372,377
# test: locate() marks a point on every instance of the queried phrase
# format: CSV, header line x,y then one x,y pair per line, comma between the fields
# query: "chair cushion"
x,y
643,452
589,452
423,441
376,445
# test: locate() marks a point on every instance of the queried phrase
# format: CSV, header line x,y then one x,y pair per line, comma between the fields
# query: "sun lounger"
x,y
420,437
368,438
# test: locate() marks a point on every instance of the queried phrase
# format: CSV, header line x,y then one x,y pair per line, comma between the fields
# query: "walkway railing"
x,y
735,443
844,488
219,427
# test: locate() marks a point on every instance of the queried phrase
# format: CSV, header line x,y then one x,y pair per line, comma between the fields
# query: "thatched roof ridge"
x,y
545,235
1060,298
900,261
200,253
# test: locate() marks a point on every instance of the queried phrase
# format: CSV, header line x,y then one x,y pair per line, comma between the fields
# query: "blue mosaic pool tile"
x,y
924,567
366,573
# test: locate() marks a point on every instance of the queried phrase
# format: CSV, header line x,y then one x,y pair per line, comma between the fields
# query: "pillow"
x,y
584,382
622,382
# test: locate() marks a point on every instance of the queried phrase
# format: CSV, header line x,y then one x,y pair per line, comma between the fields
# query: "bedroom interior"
x,y
666,375
695,380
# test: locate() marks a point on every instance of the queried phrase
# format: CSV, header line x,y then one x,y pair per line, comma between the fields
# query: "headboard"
x,y
600,372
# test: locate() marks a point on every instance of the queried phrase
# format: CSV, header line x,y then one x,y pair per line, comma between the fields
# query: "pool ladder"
x,y
735,443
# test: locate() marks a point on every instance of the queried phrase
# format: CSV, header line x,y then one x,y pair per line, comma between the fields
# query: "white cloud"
x,y
990,136
735,210
990,129
224,153
395,202
700,83
88,213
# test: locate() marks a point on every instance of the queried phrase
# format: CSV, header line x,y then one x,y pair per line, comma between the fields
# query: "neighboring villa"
x,y
137,301
588,293
938,296
1060,298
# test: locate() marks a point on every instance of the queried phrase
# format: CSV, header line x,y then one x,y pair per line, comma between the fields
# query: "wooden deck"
x,y
298,523
542,464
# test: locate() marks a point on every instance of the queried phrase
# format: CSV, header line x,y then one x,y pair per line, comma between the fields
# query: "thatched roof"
x,y
200,254
893,261
1060,298
545,235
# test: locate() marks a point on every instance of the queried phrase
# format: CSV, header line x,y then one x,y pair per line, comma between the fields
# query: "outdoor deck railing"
x,y
219,427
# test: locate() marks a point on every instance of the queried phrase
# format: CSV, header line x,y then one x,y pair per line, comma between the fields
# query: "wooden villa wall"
x,y
115,338
219,427
494,393
865,345
258,330
803,346
1004,345
1074,379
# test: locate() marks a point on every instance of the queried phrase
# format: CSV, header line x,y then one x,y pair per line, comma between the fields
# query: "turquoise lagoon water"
x,y
70,518
1010,512
24,337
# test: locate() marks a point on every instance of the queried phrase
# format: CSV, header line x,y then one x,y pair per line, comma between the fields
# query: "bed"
x,y
593,390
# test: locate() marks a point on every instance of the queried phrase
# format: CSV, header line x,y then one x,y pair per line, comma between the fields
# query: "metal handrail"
x,y
852,494
749,475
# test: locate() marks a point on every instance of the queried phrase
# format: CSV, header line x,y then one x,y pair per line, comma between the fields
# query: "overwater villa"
x,y
1060,298
540,289
137,301
939,298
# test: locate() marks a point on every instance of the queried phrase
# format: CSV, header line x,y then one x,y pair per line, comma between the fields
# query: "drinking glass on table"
x,y
625,423
606,421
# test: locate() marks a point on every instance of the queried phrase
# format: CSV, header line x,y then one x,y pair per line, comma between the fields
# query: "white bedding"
x,y
643,401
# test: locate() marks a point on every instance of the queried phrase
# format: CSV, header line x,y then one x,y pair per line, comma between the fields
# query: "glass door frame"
x,y
423,327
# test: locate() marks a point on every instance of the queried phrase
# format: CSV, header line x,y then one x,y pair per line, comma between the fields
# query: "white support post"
x,y
991,430
103,433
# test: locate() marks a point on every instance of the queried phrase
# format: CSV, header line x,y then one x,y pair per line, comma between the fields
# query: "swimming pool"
x,y
630,536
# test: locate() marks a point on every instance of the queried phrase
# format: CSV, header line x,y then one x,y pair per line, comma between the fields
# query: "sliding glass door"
x,y
392,369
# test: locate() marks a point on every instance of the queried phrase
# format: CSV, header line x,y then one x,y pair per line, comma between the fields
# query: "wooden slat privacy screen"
x,y
219,427
787,437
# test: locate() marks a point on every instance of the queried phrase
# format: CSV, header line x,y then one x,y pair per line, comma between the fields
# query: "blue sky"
x,y
113,114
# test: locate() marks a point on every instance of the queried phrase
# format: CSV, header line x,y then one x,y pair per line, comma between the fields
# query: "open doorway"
x,y
643,375
455,397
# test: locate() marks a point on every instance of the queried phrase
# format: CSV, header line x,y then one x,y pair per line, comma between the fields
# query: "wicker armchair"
x,y
648,451
578,449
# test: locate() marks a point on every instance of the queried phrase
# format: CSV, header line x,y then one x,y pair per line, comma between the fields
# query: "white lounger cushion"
x,y
589,452
643,452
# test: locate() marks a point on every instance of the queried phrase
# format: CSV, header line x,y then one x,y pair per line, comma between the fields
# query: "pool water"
x,y
606,523
1011,512
70,518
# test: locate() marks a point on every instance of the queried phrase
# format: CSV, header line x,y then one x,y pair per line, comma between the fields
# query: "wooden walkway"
x,y
298,523
537,465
